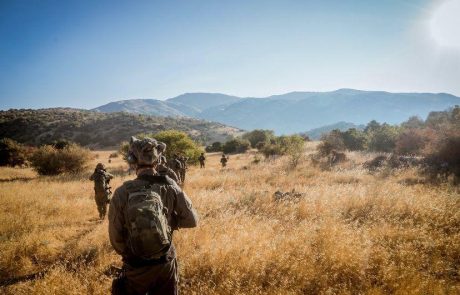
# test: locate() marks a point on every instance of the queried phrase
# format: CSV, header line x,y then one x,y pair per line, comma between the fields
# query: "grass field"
x,y
349,233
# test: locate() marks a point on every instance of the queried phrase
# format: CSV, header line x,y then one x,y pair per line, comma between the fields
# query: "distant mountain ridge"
x,y
292,112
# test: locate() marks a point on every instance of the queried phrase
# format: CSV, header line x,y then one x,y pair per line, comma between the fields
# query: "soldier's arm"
x,y
91,177
116,221
109,176
185,215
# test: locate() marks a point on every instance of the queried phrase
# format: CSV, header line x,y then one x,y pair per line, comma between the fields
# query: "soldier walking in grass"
x,y
176,166
143,215
202,159
163,169
183,160
102,188
224,160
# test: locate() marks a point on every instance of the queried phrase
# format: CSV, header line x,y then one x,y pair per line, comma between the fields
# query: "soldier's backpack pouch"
x,y
149,235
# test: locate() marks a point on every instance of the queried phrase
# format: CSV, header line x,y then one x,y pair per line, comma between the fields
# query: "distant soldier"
x,y
164,170
143,215
176,166
224,160
102,188
183,160
202,159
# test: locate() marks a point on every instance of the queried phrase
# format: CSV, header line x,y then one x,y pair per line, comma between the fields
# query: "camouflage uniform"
x,y
163,169
183,168
202,159
102,191
176,166
141,276
223,161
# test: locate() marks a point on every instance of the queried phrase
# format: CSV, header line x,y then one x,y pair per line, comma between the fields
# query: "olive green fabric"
x,y
179,214
102,191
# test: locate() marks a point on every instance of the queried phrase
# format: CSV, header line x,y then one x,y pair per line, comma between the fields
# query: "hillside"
x,y
296,111
99,129
342,126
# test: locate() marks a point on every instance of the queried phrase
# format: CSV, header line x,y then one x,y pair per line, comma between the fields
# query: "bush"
x,y
383,139
285,145
113,155
236,145
178,142
354,139
48,160
258,135
61,143
293,146
331,141
414,141
271,150
12,153
214,147
443,155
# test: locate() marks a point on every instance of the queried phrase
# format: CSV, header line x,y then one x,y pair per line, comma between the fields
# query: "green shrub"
x,y
178,142
331,141
354,139
293,146
48,160
383,139
214,147
12,153
258,135
236,145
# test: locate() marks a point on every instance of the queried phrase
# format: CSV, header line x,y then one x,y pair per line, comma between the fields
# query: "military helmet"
x,y
145,152
100,166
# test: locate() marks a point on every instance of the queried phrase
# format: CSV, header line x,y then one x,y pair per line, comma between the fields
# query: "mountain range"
x,y
291,112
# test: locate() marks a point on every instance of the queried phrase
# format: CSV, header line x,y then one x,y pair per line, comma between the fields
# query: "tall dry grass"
x,y
350,232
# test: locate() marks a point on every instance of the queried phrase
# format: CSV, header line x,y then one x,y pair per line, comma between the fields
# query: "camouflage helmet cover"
x,y
100,166
145,152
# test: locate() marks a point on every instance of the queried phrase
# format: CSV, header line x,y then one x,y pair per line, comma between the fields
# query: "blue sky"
x,y
87,53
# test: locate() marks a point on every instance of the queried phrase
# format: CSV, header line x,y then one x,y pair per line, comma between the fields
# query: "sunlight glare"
x,y
445,24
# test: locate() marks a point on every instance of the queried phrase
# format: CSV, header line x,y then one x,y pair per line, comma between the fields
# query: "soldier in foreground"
x,y
224,160
202,159
102,188
143,214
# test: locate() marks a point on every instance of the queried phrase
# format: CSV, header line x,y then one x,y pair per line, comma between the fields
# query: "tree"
x,y
293,146
12,153
354,139
236,145
331,141
383,139
372,126
411,141
413,122
178,142
214,147
258,135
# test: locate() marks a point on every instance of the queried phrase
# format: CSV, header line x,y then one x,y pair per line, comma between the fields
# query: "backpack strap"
x,y
156,179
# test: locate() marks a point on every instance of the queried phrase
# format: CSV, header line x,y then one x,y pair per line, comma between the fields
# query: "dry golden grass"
x,y
350,233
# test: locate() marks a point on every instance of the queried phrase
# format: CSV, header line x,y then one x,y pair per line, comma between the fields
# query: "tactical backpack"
x,y
99,181
149,235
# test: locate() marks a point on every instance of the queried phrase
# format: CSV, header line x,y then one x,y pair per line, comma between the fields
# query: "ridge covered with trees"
x,y
99,130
